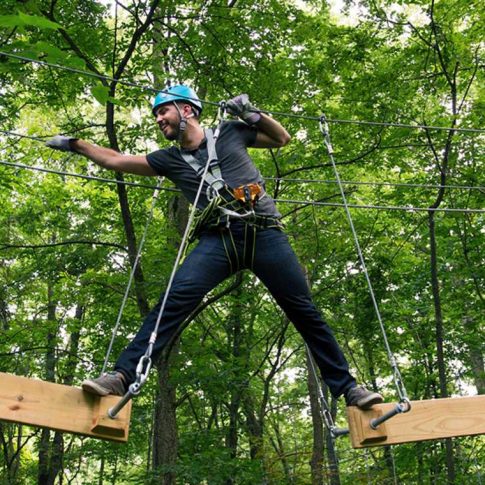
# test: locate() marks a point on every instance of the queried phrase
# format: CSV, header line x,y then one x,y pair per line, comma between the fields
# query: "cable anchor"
x,y
142,371
403,406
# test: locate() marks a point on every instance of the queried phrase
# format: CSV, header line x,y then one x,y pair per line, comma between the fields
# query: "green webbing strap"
x,y
249,245
231,251
212,216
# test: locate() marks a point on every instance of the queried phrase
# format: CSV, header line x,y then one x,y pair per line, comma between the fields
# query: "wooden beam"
x,y
427,420
61,408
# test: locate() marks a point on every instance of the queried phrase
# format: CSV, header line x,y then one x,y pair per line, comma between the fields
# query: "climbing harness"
x,y
404,404
228,204
225,203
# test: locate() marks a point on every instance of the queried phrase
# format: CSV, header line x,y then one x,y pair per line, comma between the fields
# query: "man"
x,y
240,229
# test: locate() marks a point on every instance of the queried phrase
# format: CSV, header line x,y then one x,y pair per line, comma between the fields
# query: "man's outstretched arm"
x,y
104,157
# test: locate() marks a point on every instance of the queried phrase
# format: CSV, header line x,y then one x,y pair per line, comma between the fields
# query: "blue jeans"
x,y
275,264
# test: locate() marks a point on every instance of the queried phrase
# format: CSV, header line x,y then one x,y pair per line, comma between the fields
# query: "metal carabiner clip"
x,y
221,115
222,111
323,124
325,132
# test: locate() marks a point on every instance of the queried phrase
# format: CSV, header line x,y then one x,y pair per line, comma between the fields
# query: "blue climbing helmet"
x,y
177,93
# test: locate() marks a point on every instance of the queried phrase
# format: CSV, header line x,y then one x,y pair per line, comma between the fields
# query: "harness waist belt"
x,y
226,208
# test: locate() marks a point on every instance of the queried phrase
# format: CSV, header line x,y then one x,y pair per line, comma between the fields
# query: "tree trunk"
x,y
332,458
50,455
9,432
101,468
475,344
316,463
234,336
139,280
476,357
165,436
439,332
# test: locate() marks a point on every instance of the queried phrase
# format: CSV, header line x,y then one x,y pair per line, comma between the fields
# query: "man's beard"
x,y
170,132
172,135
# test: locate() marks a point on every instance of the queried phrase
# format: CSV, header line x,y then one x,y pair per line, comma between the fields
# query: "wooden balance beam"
x,y
62,408
427,420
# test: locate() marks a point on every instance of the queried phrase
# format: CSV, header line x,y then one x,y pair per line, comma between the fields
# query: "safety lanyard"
x,y
213,176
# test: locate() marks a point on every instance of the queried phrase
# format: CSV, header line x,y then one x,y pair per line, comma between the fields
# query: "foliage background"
x,y
237,380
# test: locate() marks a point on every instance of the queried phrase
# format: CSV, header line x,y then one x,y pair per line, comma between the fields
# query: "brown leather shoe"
x,y
362,398
109,383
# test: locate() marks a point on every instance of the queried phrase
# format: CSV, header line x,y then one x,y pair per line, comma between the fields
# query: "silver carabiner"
x,y
325,132
212,192
221,115
143,369
222,110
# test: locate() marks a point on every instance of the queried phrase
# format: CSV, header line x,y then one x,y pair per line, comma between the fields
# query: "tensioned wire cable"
x,y
376,184
277,113
380,207
86,177
273,179
83,72
280,201
132,274
19,135
401,390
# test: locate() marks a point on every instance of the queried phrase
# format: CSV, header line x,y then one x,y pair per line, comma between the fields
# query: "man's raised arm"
x,y
270,133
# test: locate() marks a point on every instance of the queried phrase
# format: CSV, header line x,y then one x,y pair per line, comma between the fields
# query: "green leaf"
x,y
115,101
40,22
53,52
10,21
75,62
100,92
23,19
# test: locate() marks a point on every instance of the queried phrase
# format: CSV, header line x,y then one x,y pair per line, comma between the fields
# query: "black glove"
x,y
60,142
241,106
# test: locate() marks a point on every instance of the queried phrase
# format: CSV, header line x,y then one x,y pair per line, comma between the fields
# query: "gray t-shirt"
x,y
237,167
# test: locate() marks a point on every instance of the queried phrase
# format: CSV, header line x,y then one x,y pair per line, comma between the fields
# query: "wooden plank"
x,y
427,420
364,434
61,408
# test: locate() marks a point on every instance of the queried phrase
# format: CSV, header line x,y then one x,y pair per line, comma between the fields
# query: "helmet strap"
x,y
182,122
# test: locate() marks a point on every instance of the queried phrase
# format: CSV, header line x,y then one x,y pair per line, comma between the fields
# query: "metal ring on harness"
x,y
212,191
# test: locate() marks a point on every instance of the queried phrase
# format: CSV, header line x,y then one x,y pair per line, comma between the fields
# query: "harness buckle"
x,y
247,194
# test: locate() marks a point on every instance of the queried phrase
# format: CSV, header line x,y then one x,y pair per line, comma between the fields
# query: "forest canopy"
x,y
234,401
